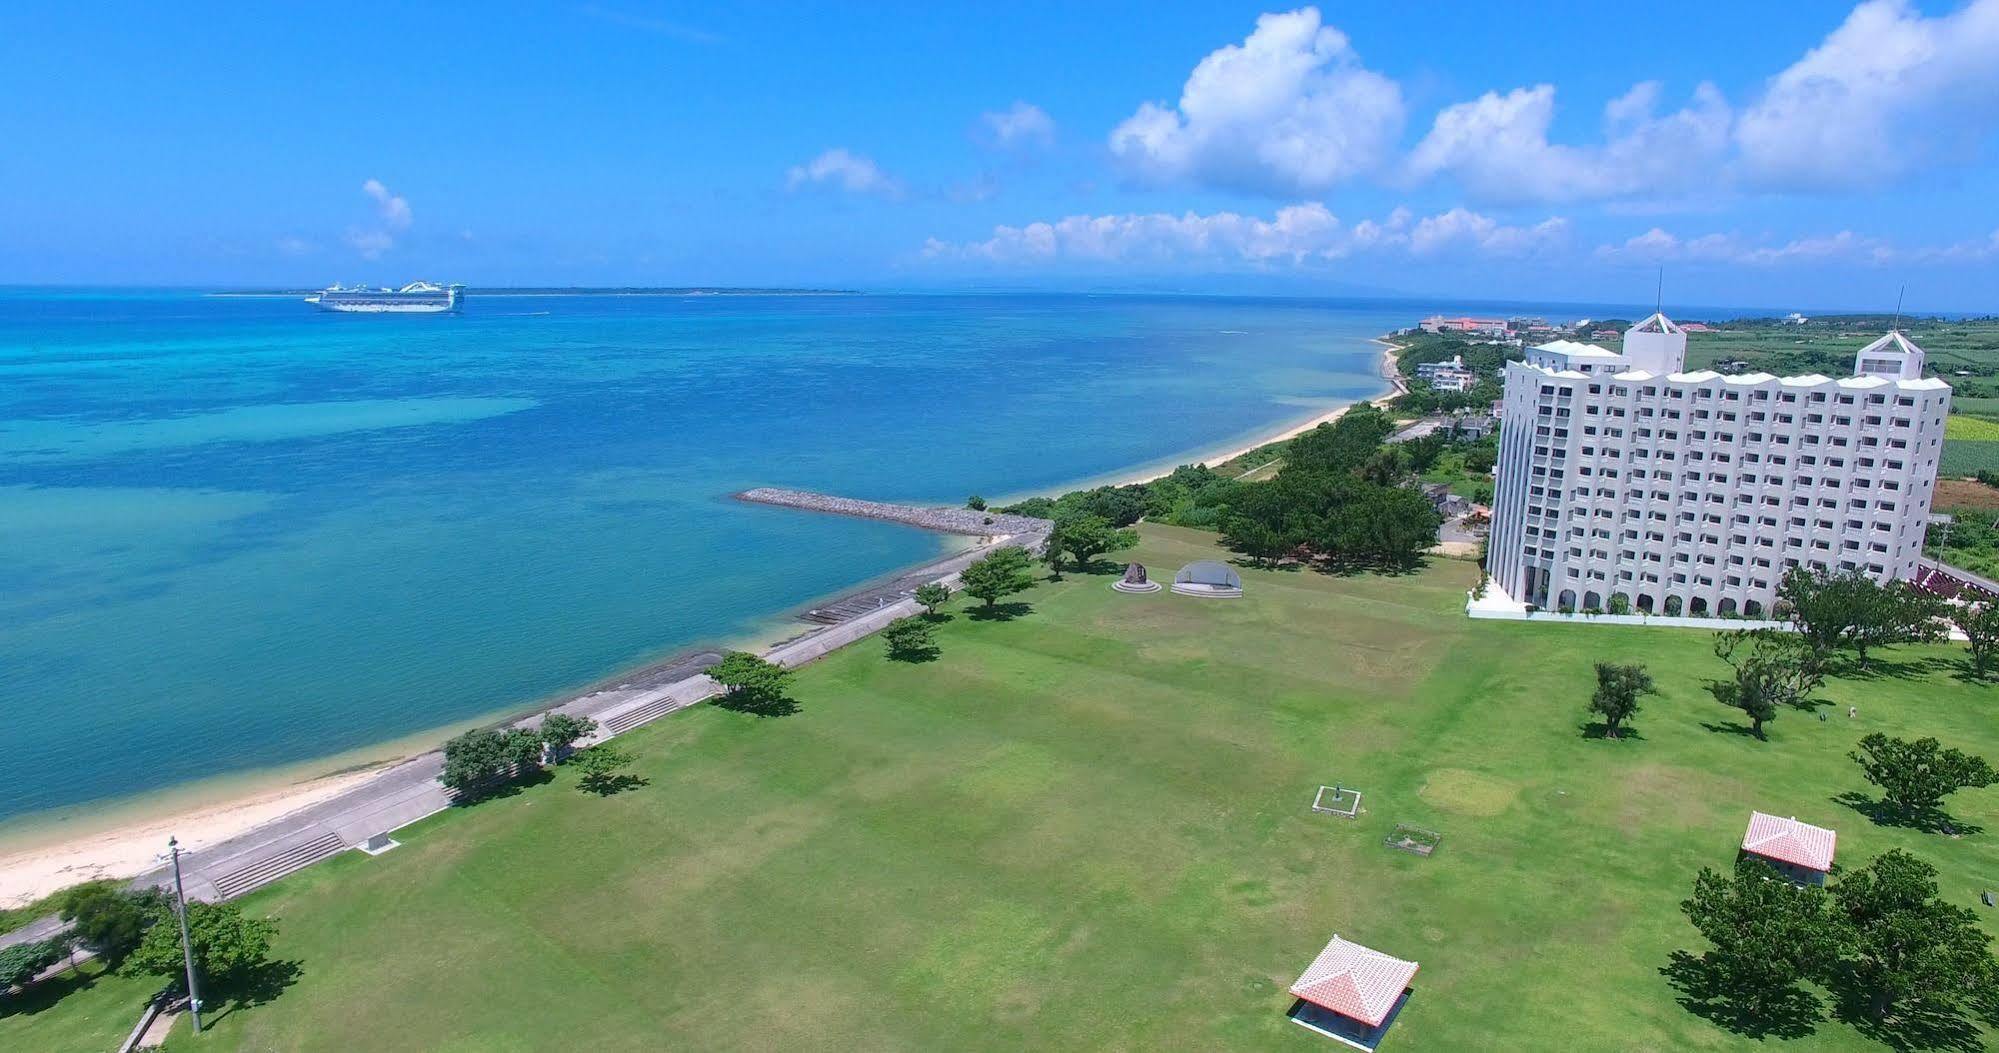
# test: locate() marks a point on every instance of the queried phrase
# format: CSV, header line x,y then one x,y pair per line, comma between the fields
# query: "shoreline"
x,y
40,858
1391,372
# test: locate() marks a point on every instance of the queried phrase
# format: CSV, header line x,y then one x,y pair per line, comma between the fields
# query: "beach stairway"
x,y
269,869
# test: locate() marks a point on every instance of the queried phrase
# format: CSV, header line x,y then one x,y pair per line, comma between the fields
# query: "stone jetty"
x,y
947,520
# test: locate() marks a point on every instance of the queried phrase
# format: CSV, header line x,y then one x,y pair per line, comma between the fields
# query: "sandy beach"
x,y
1390,371
127,850
46,862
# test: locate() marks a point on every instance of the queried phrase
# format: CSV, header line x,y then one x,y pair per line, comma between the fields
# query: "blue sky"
x,y
1766,154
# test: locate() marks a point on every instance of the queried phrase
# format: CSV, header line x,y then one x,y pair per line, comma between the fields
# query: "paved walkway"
x,y
409,791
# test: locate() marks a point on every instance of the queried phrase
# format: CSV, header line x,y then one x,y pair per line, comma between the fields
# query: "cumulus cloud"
x,y
1288,111
1888,91
1296,235
393,208
393,216
845,170
1497,147
1660,246
1021,125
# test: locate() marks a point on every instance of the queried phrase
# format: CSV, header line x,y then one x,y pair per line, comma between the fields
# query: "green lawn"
x,y
1090,827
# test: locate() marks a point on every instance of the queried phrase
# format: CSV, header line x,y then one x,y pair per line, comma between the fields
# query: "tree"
x,y
910,640
1250,537
1980,624
1341,446
933,595
1905,945
601,770
1619,604
1000,573
1915,777
1088,536
521,749
1421,453
1772,669
559,731
1051,552
753,685
1618,688
975,503
110,921
22,962
227,945
1851,611
474,760
1384,467
1767,935
1383,525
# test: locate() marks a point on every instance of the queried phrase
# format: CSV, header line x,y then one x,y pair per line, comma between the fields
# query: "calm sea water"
x,y
236,533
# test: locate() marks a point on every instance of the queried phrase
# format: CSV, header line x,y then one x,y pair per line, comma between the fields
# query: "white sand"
x,y
133,848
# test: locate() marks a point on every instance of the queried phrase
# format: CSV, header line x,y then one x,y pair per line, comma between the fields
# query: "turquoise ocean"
x,y
237,534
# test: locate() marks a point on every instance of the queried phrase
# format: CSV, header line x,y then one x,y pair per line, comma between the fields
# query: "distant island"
x,y
582,291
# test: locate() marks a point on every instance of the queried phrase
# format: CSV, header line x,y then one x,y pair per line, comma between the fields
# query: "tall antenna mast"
x,y
1899,293
1659,300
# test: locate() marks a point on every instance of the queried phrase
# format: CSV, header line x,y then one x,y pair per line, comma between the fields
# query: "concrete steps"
x,y
271,868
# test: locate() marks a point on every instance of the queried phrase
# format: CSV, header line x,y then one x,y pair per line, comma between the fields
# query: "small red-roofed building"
x,y
1799,851
1351,993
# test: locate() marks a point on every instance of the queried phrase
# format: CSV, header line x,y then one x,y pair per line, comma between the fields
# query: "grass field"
x,y
1090,827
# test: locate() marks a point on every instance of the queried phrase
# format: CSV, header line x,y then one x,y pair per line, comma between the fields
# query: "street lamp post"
x,y
186,946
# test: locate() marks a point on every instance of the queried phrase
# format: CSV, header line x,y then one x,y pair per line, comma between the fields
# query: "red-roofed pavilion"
x,y
1351,993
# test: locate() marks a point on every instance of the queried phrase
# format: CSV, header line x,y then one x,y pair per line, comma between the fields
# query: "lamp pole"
x,y
186,946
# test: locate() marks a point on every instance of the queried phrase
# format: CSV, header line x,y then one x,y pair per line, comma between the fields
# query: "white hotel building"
x,y
1621,474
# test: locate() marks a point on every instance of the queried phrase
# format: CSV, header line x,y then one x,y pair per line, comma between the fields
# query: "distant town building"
x,y
1696,327
1440,324
1621,474
1448,376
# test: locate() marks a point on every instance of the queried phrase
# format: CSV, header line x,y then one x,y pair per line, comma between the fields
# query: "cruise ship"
x,y
414,298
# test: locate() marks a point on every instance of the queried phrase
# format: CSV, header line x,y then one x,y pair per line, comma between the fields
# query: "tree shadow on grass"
x,y
39,997
999,612
1929,821
1912,1027
936,618
1597,729
1881,666
1349,568
259,985
499,788
1962,670
1704,991
613,784
1729,728
1287,565
917,655
757,704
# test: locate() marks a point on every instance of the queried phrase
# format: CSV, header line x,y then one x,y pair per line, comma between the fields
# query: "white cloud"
x,y
1461,228
1884,94
370,243
393,208
648,24
292,245
845,170
1290,110
1021,125
1296,234
1659,246
1497,147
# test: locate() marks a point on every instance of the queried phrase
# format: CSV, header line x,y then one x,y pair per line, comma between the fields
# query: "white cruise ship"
x,y
414,298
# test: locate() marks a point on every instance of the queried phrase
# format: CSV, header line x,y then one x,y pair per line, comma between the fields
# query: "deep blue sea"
x,y
238,534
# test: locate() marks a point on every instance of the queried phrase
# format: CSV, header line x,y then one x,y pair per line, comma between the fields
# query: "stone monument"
x,y
1134,580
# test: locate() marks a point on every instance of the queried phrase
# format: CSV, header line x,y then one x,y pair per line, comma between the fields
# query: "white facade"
x,y
1620,474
